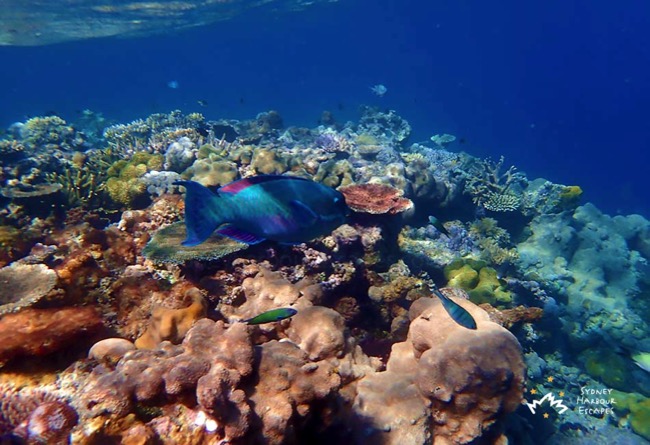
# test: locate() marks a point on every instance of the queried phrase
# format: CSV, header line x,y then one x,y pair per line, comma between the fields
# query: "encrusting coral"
x,y
37,332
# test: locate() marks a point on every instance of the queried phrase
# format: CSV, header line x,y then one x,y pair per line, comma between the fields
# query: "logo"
x,y
557,404
591,401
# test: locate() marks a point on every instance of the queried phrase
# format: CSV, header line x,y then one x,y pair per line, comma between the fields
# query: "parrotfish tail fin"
x,y
201,212
456,311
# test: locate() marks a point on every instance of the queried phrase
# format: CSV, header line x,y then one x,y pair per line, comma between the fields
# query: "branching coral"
x,y
494,190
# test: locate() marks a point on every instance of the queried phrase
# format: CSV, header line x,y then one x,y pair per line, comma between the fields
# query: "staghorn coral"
x,y
375,199
494,241
155,133
49,132
494,190
23,285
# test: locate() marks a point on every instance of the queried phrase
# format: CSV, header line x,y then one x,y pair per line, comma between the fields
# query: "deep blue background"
x,y
560,87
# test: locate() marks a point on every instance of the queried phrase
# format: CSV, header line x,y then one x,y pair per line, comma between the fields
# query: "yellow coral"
x,y
481,282
570,196
172,324
268,162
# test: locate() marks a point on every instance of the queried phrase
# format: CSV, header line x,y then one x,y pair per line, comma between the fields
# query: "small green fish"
x,y
272,315
455,311
642,360
438,225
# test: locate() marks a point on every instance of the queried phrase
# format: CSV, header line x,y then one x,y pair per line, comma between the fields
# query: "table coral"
x,y
37,332
23,285
375,199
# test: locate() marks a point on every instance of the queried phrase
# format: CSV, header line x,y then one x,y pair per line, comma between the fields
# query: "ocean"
x,y
558,88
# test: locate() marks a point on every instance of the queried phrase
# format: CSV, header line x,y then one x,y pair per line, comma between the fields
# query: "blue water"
x,y
561,88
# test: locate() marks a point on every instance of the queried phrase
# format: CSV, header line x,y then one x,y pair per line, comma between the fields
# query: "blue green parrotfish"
x,y
272,315
285,209
455,311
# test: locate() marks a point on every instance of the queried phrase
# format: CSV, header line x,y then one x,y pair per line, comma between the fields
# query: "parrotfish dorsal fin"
x,y
239,235
239,185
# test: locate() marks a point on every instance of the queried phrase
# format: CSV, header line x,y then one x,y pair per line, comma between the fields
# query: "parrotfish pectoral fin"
x,y
456,311
239,235
200,216
304,216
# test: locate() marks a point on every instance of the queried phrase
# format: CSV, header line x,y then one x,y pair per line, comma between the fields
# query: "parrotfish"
x,y
285,209
455,311
272,315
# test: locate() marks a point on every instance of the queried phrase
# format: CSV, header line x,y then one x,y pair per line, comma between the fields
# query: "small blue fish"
x,y
272,315
173,84
285,209
455,311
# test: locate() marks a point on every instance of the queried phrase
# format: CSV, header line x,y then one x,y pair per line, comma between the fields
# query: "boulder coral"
x,y
444,383
172,324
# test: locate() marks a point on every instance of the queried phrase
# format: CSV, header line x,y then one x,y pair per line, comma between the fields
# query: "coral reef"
x,y
368,357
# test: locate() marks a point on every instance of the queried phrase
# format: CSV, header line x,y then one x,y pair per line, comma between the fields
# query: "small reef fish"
x,y
642,360
173,84
285,209
272,315
379,90
435,222
203,103
455,311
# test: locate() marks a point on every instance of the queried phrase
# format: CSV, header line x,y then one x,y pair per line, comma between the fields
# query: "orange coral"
x,y
36,332
172,324
375,199
509,317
